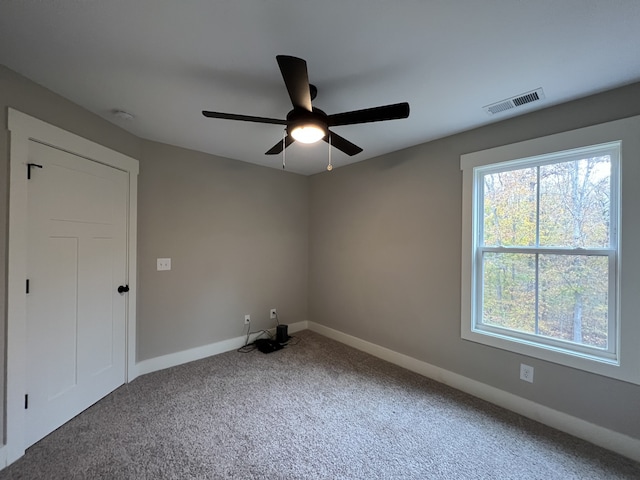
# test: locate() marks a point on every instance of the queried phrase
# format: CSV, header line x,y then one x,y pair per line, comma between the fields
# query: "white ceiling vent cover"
x,y
514,102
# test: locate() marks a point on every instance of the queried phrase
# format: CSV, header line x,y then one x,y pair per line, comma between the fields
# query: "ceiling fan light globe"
x,y
307,133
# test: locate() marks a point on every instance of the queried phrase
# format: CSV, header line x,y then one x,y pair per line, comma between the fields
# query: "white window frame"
x,y
611,252
622,361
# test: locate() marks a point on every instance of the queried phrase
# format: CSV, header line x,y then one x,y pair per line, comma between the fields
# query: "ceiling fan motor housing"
x,y
299,117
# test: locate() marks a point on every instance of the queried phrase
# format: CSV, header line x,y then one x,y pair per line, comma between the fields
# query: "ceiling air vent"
x,y
514,102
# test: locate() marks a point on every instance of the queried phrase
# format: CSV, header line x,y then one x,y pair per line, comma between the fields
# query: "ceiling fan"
x,y
308,124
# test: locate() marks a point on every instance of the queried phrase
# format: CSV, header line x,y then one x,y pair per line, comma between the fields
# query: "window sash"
x,y
608,355
612,150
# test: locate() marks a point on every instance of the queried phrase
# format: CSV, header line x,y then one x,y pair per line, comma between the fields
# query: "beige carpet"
x,y
316,410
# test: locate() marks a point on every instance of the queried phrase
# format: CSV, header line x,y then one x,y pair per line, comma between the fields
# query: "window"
x,y
545,246
550,259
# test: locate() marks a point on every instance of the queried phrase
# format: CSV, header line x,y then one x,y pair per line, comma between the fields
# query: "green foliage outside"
x,y
562,206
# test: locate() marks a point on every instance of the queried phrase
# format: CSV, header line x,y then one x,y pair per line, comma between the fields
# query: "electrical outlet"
x,y
273,314
526,373
164,264
247,319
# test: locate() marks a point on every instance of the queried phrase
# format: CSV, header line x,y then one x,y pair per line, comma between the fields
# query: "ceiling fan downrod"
x,y
284,136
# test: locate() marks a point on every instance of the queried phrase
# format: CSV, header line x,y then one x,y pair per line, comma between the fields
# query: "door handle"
x,y
123,288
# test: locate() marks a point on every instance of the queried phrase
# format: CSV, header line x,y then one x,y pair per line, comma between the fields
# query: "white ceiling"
x,y
166,61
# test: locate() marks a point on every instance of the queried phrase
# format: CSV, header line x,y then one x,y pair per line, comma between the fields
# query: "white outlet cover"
x,y
164,264
526,373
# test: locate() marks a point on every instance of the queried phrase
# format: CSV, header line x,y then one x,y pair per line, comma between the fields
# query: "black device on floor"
x,y
281,334
266,345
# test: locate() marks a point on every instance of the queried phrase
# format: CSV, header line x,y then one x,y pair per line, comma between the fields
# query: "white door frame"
x,y
24,128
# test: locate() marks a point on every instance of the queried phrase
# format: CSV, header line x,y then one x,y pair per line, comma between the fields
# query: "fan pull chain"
x,y
329,167
284,136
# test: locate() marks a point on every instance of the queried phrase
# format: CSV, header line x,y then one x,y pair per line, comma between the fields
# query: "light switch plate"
x,y
164,264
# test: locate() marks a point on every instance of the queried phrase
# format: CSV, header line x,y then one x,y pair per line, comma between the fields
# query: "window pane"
x,y
574,203
510,208
573,299
508,294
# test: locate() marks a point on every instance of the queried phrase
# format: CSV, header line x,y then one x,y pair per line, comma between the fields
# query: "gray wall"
x,y
385,245
237,236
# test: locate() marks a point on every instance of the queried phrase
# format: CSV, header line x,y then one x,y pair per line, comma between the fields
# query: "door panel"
x,y
59,339
96,335
77,214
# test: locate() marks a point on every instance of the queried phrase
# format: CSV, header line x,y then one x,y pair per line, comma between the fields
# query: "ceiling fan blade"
x,y
375,114
277,148
342,144
296,79
244,118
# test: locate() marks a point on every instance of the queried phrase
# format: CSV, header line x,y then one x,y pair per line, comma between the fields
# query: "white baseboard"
x,y
603,437
198,353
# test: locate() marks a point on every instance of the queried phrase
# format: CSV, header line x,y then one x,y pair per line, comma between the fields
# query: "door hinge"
x,y
27,286
29,167
26,401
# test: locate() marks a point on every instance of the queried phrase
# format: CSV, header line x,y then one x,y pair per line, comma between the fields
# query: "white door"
x,y
76,259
